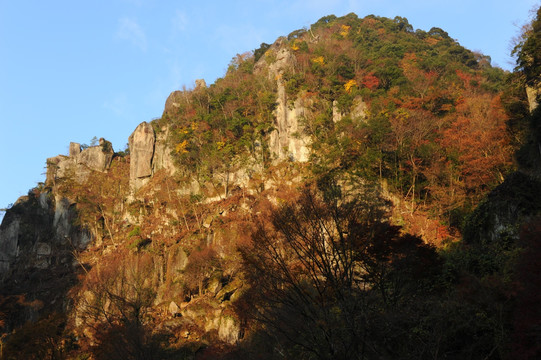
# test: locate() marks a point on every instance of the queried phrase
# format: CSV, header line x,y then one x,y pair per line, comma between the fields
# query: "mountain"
x,y
310,203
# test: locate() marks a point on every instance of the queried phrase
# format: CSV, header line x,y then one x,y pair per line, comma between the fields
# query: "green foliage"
x,y
259,52
94,141
106,146
528,52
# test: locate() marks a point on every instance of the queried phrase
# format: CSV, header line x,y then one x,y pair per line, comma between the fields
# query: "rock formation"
x,y
149,153
532,94
173,102
141,143
288,140
79,163
39,232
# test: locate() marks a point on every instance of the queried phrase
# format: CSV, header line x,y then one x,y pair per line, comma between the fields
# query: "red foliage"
x,y
478,138
370,81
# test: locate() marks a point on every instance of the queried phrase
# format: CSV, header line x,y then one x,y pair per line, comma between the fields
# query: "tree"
x,y
323,269
528,51
114,302
100,198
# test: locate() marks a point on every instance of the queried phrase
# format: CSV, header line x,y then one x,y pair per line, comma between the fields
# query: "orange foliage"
x,y
371,81
478,136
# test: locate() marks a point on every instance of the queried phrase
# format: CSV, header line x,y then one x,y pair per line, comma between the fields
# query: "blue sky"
x,y
72,70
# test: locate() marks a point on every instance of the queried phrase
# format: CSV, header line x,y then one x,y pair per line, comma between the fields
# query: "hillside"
x,y
309,204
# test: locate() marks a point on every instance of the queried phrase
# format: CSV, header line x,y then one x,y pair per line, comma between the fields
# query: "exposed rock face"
x,y
96,158
75,149
358,110
148,154
174,309
141,143
56,168
78,163
162,153
39,232
9,235
532,94
173,102
200,83
506,207
288,140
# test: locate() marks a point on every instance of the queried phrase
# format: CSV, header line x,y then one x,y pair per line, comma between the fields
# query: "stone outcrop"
x,y
358,110
532,94
75,149
162,153
39,232
9,236
200,84
141,143
97,158
173,102
288,141
79,162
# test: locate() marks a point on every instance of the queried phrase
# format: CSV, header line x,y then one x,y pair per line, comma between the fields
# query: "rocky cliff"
x,y
146,244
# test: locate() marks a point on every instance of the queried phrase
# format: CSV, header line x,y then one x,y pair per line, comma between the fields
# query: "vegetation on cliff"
x,y
244,250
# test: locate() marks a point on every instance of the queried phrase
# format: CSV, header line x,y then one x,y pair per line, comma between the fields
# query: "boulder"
x,y
229,329
79,162
141,143
200,84
75,149
96,158
174,309
532,94
173,102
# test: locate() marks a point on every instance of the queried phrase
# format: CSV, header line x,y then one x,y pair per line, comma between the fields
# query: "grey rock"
x,y
173,102
75,149
200,84
174,309
162,153
141,143
43,249
95,157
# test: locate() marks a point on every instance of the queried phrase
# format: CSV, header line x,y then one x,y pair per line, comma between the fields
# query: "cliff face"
x,y
151,238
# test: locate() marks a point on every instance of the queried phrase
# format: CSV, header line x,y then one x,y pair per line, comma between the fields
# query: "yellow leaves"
x,y
351,83
220,144
402,115
344,30
295,45
319,60
432,41
180,148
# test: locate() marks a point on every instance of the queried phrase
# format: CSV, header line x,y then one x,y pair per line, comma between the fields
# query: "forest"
x,y
358,189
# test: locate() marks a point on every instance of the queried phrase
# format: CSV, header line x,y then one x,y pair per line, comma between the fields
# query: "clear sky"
x,y
71,70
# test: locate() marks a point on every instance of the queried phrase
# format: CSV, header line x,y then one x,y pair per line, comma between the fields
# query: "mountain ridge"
x,y
349,109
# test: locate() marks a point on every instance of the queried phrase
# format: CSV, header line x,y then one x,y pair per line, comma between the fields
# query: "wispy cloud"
x,y
238,38
130,30
118,105
180,21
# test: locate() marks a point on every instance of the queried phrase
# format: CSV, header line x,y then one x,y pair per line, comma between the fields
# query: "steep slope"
x,y
146,245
